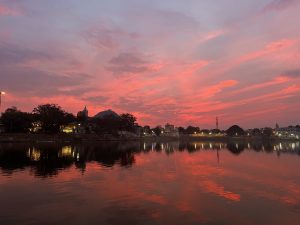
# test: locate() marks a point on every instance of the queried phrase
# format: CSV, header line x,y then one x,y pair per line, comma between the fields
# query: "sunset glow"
x,y
182,62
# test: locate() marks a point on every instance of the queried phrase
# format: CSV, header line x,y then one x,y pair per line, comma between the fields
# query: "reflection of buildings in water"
x,y
48,160
34,154
209,146
270,147
66,151
170,147
287,146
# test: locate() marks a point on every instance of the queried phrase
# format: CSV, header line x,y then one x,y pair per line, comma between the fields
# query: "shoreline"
x,y
67,138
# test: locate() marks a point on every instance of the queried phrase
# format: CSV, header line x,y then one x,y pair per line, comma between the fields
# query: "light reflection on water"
x,y
150,183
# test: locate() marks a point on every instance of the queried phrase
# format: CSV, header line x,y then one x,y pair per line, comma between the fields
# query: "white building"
x,y
170,131
288,132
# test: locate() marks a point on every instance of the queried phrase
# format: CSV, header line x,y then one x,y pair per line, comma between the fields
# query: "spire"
x,y
85,112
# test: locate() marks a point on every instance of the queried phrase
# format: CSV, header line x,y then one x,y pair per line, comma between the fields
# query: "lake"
x,y
150,183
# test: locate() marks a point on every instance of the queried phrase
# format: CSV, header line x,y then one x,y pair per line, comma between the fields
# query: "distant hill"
x,y
107,113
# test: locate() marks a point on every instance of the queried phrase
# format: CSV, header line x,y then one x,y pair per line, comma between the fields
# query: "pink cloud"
x,y
270,48
213,90
276,81
6,11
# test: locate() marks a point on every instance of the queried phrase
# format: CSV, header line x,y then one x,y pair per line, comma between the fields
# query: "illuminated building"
x,y
69,129
36,127
170,131
288,132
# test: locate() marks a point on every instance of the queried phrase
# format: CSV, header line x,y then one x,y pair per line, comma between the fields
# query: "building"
x,y
83,115
106,114
69,129
170,131
2,128
290,132
79,127
36,127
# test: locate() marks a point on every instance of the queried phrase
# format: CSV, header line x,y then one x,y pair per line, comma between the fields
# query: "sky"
x,y
183,62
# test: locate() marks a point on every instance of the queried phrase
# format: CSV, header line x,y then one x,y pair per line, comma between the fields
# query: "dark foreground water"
x,y
150,183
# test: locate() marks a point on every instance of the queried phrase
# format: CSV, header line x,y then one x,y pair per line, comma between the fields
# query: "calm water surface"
x,y
150,183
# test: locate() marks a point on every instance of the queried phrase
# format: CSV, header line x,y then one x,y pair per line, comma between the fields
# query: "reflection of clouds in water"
x,y
212,187
161,186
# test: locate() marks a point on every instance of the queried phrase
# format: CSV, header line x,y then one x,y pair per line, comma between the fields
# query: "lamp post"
x,y
1,93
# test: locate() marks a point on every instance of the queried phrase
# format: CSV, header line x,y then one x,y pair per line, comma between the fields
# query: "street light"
x,y
1,93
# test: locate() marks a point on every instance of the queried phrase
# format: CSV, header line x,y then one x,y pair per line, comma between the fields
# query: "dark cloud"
x,y
13,54
165,111
96,99
33,82
128,63
168,23
76,91
105,37
292,73
128,104
18,77
276,5
127,58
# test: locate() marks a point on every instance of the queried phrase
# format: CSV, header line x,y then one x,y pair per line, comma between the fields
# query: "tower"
x,y
85,112
83,115
217,123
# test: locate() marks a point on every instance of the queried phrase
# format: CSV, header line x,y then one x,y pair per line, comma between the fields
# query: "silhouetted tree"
x,y
52,117
181,130
192,130
109,124
256,132
235,130
128,122
15,121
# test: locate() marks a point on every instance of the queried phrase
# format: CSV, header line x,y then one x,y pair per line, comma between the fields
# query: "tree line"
x,y
50,118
